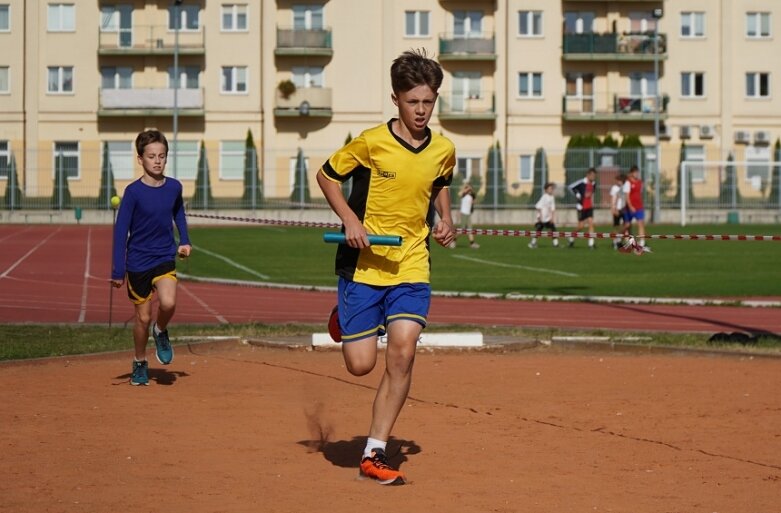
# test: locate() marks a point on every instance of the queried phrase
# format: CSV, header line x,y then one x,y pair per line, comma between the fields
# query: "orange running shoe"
x,y
376,467
333,325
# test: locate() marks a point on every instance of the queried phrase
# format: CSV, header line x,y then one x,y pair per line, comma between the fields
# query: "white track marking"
x,y
22,259
84,286
233,263
206,307
12,234
515,266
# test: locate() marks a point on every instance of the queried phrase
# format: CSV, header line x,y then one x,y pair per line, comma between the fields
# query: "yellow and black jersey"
x,y
391,193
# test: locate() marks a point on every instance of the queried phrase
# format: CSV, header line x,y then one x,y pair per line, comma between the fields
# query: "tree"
x,y
300,192
541,174
253,189
61,194
631,153
728,189
774,197
107,188
13,193
495,187
202,197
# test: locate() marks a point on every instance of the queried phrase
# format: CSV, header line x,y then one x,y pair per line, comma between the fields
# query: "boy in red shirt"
x,y
633,192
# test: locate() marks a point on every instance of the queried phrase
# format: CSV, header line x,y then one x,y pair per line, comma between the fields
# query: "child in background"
x,y
467,207
633,191
617,206
145,249
584,190
546,214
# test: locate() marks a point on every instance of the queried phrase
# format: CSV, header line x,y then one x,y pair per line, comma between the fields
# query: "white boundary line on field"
x,y
516,266
753,303
232,263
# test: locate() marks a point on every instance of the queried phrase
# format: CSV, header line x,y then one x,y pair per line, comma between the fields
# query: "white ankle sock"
x,y
373,443
156,329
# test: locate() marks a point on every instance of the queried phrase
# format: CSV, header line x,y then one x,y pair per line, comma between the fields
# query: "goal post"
x,y
726,190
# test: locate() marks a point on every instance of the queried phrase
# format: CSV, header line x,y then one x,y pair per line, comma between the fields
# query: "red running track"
x,y
59,274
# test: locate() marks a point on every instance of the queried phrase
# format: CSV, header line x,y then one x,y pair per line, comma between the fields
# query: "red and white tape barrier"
x,y
501,233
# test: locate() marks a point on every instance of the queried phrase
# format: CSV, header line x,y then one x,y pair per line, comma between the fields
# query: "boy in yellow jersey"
x,y
398,169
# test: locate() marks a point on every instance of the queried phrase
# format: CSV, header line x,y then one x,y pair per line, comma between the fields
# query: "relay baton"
x,y
374,240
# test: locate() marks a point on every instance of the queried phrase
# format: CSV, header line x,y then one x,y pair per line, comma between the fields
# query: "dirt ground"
x,y
237,428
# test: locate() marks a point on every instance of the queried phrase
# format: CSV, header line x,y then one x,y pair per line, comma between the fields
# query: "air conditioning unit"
x,y
684,132
707,131
762,137
743,136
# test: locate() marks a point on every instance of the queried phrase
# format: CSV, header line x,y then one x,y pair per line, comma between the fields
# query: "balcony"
x,y
613,107
630,46
480,106
305,102
295,42
150,102
151,40
460,48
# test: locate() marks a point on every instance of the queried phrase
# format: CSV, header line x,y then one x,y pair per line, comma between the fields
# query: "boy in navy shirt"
x,y
145,249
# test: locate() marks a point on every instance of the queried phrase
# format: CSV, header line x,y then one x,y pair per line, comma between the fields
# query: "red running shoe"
x,y
376,467
333,325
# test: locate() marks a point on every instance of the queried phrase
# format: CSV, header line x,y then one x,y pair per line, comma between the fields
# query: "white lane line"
x,y
13,234
22,259
84,286
515,266
206,307
233,263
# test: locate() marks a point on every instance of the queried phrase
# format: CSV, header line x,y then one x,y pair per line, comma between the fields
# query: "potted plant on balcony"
x,y
286,88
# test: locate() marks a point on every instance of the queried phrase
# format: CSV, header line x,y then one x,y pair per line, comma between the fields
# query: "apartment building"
x,y
79,79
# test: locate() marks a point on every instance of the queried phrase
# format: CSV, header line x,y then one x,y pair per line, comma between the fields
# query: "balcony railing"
x,y
631,46
150,102
467,106
151,40
613,107
303,42
452,47
305,101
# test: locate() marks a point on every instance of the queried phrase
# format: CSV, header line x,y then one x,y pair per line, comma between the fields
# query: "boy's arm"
x,y
180,220
354,231
443,232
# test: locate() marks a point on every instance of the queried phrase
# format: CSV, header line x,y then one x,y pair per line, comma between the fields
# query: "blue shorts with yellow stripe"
x,y
140,285
366,310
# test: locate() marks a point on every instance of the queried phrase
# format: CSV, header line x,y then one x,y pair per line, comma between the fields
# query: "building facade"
x,y
79,79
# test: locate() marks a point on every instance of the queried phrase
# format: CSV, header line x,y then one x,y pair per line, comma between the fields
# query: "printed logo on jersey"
x,y
386,174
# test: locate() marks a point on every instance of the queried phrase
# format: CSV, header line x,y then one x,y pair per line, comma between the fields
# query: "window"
x,y
66,158
416,23
642,85
234,79
293,172
5,80
232,160
529,23
758,85
578,22
758,25
311,76
234,17
188,77
183,156
60,79
308,17
467,167
121,156
695,154
118,18
530,85
692,24
466,86
526,168
5,159
5,17
641,22
62,18
188,17
467,24
116,77
692,84
758,165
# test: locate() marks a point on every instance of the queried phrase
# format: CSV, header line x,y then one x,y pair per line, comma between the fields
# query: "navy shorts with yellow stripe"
x,y
366,310
140,285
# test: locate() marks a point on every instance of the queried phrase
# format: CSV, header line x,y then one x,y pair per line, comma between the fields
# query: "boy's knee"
x,y
360,368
